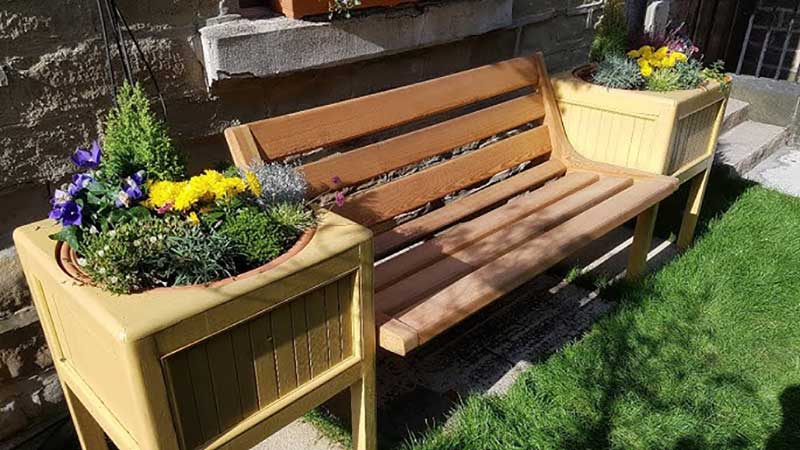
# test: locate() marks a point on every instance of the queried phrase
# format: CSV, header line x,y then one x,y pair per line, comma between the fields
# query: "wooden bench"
x,y
465,253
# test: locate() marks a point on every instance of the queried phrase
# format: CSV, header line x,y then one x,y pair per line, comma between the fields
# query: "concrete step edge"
x,y
739,167
736,113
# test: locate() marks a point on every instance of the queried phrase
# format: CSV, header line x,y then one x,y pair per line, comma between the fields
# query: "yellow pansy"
x,y
646,69
193,219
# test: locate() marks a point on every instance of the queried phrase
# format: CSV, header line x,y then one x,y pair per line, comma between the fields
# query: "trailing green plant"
x,y
716,72
196,256
291,216
342,7
135,139
684,75
611,34
618,72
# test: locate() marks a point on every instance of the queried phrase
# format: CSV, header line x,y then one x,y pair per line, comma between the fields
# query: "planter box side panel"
x,y
222,380
694,136
613,136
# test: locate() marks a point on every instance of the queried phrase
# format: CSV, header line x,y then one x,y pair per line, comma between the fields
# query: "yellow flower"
x,y
661,53
162,192
252,183
634,54
193,219
679,56
646,51
646,69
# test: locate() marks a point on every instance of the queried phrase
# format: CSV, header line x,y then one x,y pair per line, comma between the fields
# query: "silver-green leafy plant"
x,y
280,183
618,72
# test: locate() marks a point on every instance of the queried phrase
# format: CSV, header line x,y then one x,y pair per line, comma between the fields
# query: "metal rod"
x,y
745,43
109,66
765,44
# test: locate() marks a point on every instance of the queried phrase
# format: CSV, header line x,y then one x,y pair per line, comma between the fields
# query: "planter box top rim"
x,y
132,317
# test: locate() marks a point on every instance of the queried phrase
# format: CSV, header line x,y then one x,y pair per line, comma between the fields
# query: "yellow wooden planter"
x,y
220,366
670,133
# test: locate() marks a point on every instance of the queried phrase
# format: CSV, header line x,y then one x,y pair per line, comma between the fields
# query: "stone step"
x,y
735,113
780,171
742,147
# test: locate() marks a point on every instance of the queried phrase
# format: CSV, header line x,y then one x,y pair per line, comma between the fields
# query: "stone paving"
x,y
486,353
781,171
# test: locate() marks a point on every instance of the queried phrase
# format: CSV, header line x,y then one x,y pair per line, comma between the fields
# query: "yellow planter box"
x,y
220,366
670,133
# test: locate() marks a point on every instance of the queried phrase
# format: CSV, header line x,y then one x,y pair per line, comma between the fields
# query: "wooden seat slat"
x,y
416,229
464,234
405,194
432,315
298,132
365,163
447,268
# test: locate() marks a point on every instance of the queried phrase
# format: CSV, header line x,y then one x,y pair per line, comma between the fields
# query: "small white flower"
x,y
106,247
153,239
81,261
101,270
113,279
112,233
101,253
137,243
93,230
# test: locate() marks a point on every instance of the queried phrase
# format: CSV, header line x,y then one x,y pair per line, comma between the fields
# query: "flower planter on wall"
x,y
218,365
670,133
297,9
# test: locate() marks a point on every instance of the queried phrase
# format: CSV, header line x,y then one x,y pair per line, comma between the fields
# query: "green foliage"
x,y
154,251
611,35
685,75
618,72
716,72
136,139
264,235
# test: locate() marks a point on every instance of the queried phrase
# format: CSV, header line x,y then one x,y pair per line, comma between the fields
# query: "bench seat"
x,y
432,286
473,238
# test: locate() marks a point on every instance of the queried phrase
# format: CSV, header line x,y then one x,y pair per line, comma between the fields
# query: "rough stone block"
x,y
26,402
23,352
268,47
14,292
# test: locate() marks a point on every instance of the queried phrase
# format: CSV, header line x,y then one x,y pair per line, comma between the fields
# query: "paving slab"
x,y
781,171
741,148
298,435
736,112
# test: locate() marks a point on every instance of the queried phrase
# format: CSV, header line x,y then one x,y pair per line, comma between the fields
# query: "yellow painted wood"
x,y
317,332
657,132
194,368
302,353
90,435
282,335
333,323
697,190
642,238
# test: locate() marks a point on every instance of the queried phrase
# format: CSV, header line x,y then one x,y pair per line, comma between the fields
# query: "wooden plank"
x,y
399,196
345,287
463,208
284,349
301,351
502,240
245,369
203,391
264,357
223,377
365,163
438,312
242,145
301,131
642,238
465,234
332,320
317,332
183,403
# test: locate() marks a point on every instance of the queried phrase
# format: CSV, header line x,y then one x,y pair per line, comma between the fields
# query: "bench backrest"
x,y
512,87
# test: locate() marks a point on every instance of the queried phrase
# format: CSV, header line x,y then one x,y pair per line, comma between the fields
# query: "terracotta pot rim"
x,y
66,258
583,72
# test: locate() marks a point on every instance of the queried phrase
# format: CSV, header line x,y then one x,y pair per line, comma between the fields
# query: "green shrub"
x,y
156,251
618,72
685,75
136,139
611,35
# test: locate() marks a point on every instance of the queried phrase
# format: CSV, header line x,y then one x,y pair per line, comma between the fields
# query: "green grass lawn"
x,y
704,354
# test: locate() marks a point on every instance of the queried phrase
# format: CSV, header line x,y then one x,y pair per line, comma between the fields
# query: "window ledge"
x,y
244,48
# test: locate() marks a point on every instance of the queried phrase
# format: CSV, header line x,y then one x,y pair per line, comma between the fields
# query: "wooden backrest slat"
x,y
298,132
365,163
405,194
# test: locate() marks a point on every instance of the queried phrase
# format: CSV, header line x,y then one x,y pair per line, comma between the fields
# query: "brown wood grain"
x,y
500,238
402,195
365,163
447,307
317,332
223,376
264,355
294,133
461,236
465,207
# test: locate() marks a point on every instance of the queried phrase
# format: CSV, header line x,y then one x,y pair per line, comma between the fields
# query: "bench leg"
x,y
90,435
697,191
642,238
362,404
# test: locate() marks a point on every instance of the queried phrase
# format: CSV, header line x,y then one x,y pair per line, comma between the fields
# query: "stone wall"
x,y
53,93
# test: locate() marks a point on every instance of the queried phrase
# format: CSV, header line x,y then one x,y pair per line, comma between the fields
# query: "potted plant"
x,y
297,9
191,312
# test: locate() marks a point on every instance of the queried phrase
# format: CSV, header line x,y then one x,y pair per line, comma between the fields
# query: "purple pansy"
x,y
87,159
131,190
67,213
80,182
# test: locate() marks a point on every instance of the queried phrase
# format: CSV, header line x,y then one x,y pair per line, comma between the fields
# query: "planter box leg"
x,y
642,238
362,395
89,432
697,191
